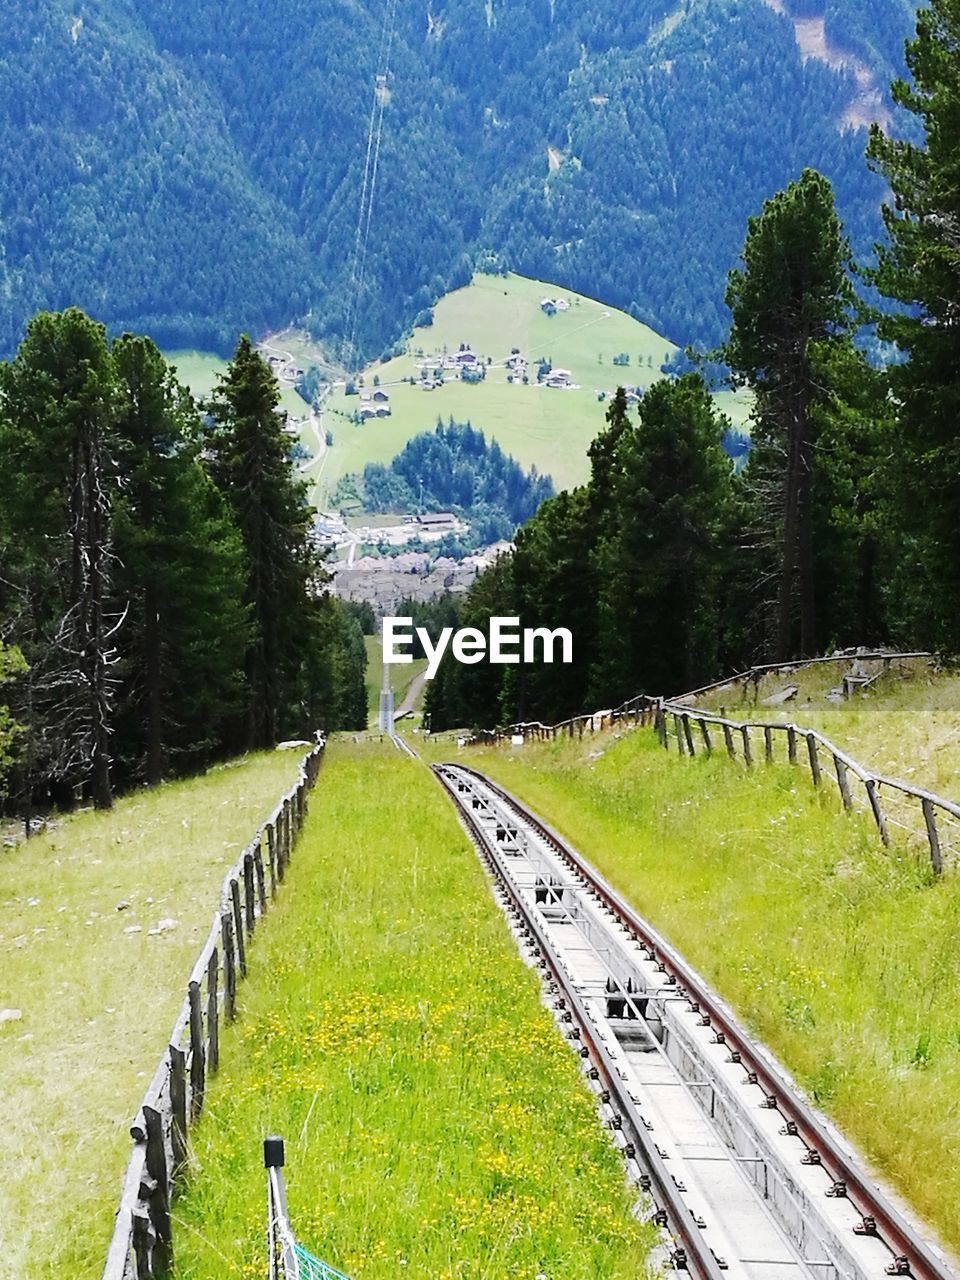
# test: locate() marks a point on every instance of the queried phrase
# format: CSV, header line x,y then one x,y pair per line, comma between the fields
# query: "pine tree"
x,y
179,575
792,295
12,665
251,462
920,269
57,410
661,570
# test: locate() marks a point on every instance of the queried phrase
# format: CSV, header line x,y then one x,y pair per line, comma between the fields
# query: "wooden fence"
x,y
927,819
142,1244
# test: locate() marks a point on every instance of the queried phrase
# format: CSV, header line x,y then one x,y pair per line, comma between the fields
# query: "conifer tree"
x,y
179,575
251,462
920,269
792,295
57,412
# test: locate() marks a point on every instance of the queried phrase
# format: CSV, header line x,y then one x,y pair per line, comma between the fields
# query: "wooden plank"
x,y
229,966
258,870
768,744
792,743
705,734
747,753
871,788
155,1190
142,1238
116,1265
688,734
178,1108
814,758
249,901
198,1054
842,783
213,1012
933,837
272,857
678,730
728,739
238,927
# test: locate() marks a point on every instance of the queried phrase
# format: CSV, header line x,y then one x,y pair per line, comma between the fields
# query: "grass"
x,y
905,726
98,1003
199,370
437,1125
550,429
840,955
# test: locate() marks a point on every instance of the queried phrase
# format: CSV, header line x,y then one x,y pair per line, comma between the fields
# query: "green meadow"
x,y
199,370
841,955
97,994
543,427
436,1122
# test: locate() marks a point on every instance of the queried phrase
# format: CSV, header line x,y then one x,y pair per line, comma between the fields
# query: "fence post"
x,y
768,744
178,1108
248,899
704,733
229,966
198,1055
272,857
688,733
679,732
213,1012
814,758
792,743
238,926
258,868
747,754
936,854
842,782
158,1192
728,739
871,788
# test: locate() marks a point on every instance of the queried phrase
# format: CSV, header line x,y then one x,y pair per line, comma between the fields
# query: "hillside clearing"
x,y
435,1119
906,725
543,427
96,1001
841,955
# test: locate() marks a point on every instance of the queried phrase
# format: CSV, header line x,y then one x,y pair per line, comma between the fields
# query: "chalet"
x,y
381,396
559,378
550,306
436,519
463,358
382,411
517,363
367,411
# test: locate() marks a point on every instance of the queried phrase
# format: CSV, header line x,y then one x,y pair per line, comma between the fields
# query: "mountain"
x,y
192,170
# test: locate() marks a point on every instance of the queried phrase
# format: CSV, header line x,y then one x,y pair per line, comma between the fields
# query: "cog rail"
x,y
627,996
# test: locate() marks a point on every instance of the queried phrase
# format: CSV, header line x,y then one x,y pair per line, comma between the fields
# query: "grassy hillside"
x,y
199,370
906,725
551,429
97,1002
839,953
436,1122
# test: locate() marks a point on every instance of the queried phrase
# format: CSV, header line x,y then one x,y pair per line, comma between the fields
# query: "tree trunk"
x,y
805,567
153,672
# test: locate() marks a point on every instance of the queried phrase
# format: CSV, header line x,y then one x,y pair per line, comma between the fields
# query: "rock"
x,y
10,1015
293,744
123,906
778,699
163,926
134,928
33,902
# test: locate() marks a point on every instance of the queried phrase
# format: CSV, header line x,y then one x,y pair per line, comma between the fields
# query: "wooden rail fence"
x,y
924,817
141,1247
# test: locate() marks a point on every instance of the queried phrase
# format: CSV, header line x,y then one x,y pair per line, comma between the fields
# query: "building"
x,y
559,378
436,519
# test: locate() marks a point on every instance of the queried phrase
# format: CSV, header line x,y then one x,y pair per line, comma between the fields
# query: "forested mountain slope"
x,y
195,169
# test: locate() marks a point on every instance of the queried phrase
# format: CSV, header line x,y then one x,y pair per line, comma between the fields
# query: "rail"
x,y
141,1247
910,1254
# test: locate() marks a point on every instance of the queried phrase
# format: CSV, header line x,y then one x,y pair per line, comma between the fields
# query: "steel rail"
x,y
695,1256
910,1254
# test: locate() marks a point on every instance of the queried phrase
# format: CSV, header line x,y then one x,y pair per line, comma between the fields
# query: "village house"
x,y
559,378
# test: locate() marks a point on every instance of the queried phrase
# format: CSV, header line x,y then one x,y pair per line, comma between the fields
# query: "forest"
x,y
454,468
843,528
194,171
162,597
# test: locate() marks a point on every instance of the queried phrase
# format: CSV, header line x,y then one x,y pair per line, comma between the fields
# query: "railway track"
x,y
744,1178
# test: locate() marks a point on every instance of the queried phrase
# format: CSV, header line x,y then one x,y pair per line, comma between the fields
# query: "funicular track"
x,y
745,1179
